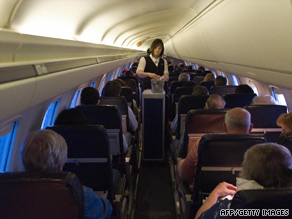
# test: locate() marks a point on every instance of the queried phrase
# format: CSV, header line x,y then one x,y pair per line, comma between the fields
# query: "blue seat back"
x,y
221,90
238,100
88,155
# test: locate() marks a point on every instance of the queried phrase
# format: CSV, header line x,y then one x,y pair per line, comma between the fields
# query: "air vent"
x,y
66,65
106,59
15,73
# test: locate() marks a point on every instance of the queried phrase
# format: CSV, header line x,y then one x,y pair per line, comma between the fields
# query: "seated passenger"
x,y
237,121
215,101
200,90
188,84
209,77
124,84
263,99
285,122
45,150
197,91
71,117
243,89
183,77
113,89
267,165
220,81
90,96
129,73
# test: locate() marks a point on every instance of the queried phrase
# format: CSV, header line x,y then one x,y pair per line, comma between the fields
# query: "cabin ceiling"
x,y
123,23
251,38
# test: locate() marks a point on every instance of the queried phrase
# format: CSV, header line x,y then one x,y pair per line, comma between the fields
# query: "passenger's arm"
x,y
186,167
95,206
221,190
132,120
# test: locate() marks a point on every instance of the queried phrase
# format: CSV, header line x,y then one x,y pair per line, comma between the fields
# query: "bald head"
x,y
237,121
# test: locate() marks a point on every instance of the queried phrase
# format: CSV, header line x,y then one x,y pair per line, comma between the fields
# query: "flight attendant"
x,y
153,66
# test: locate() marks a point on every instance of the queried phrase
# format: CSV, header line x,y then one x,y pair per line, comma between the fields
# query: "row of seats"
x,y
220,155
65,199
95,155
263,116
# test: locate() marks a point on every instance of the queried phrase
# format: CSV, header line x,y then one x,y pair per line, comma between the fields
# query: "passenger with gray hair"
x,y
215,101
200,90
237,121
267,165
197,91
46,150
264,99
184,77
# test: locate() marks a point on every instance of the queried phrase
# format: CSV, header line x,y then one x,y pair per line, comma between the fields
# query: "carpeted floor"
x,y
155,195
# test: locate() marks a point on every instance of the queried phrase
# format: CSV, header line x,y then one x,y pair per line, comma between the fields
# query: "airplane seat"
x,y
179,91
129,79
285,140
127,93
133,83
221,90
220,158
89,156
264,119
207,84
41,195
238,100
266,200
173,85
122,104
197,78
199,122
186,103
265,116
172,78
110,117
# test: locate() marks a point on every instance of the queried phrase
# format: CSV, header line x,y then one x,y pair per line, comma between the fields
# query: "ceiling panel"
x,y
112,22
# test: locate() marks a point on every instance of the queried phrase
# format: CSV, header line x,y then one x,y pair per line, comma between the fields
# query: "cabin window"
x,y
187,63
111,76
93,84
50,115
278,95
120,70
7,135
102,83
116,74
75,99
234,80
253,86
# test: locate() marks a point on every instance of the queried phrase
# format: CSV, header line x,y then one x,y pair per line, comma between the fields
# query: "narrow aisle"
x,y
154,195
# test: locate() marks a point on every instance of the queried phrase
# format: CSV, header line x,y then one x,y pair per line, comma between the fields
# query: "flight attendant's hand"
x,y
164,78
153,76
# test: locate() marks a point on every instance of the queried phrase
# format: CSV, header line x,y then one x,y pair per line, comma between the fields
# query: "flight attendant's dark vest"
x,y
151,67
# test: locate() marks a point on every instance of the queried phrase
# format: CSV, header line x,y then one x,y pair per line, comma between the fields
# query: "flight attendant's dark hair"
x,y
156,43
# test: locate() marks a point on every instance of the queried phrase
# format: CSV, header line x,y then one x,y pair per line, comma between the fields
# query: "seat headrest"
x,y
263,199
43,187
